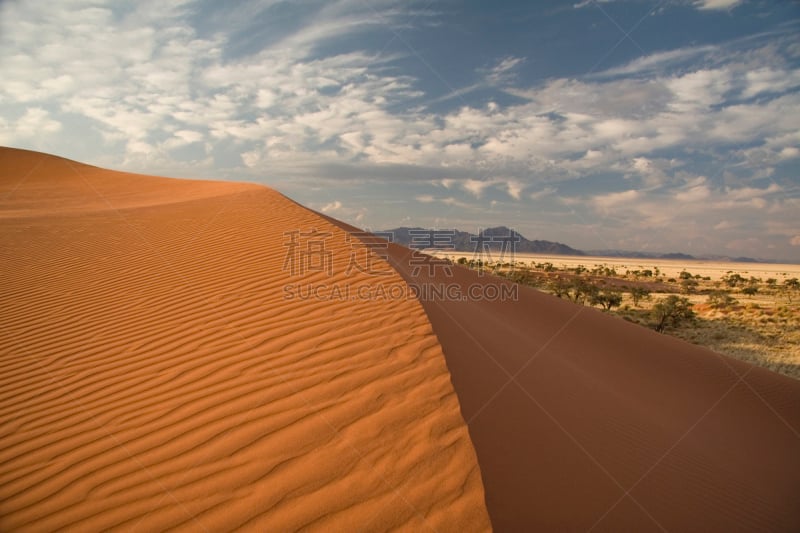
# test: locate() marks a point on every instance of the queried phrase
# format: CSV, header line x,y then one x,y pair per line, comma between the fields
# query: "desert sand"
x,y
155,375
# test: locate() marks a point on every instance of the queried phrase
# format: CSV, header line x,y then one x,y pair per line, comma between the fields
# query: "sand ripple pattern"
x,y
154,375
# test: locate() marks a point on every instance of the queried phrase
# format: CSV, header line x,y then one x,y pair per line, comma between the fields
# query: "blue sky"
x,y
644,125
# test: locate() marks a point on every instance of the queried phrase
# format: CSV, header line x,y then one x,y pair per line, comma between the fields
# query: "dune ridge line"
x,y
156,375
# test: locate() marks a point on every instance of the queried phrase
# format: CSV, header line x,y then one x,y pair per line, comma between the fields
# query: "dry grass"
x,y
763,328
767,335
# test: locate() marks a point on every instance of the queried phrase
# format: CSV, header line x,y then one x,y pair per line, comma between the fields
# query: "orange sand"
x,y
154,374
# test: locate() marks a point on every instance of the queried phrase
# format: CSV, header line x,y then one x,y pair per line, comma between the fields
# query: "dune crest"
x,y
156,373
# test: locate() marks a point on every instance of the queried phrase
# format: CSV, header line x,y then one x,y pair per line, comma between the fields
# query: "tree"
x,y
791,285
607,299
580,290
638,294
688,285
733,279
720,300
671,311
559,287
750,290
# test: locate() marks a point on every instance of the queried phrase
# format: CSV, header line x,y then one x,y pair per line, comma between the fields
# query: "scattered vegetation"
x,y
742,316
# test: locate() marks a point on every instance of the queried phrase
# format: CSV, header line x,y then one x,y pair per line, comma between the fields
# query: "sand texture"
x,y
156,375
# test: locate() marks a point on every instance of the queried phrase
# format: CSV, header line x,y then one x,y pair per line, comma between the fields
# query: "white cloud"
x,y
149,87
693,194
749,193
770,80
36,121
611,200
659,61
716,4
502,71
34,125
547,191
697,91
336,205
476,187
514,189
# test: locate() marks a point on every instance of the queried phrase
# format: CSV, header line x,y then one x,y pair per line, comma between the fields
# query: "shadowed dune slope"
x,y
155,372
584,422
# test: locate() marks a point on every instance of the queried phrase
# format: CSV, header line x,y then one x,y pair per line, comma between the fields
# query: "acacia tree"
x,y
750,290
607,299
671,311
720,300
638,294
559,287
581,291
791,285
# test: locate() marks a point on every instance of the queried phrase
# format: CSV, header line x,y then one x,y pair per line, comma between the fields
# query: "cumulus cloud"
x,y
150,87
35,125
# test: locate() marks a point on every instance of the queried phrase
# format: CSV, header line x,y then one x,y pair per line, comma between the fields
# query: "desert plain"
x,y
670,268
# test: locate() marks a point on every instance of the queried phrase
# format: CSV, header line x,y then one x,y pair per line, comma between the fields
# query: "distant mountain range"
x,y
495,239
674,255
492,239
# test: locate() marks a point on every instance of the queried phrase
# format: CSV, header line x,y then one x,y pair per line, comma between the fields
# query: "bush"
x,y
750,290
671,311
721,300
688,285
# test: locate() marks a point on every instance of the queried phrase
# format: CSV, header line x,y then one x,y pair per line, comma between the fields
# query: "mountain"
x,y
674,255
494,239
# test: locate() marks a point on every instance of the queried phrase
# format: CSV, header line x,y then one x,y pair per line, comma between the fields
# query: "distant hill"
x,y
674,255
493,239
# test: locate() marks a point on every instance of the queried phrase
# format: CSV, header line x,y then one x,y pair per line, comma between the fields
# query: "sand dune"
x,y
585,422
156,374
161,368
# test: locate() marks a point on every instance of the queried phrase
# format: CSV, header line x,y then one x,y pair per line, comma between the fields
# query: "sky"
x,y
642,125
